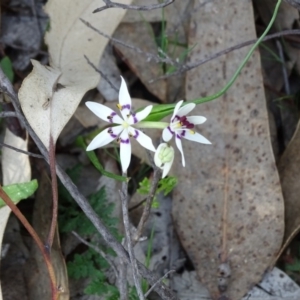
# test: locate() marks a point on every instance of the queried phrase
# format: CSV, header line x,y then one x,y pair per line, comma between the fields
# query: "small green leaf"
x,y
7,68
19,191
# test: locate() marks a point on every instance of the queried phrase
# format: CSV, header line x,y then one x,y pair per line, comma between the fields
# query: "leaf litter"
x,y
229,214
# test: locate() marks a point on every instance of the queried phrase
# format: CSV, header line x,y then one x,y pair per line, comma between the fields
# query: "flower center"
x,y
182,123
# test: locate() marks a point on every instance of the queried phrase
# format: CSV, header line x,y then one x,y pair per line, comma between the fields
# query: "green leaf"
x,y
19,191
166,185
7,68
144,188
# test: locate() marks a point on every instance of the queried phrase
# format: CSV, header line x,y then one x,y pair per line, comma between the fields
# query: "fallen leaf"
x,y
141,36
36,271
15,169
288,168
228,206
50,95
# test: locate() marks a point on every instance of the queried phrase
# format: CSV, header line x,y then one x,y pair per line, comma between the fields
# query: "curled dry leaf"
x,y
288,168
15,169
50,95
228,206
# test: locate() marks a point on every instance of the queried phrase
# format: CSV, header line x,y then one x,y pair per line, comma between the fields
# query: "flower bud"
x,y
164,157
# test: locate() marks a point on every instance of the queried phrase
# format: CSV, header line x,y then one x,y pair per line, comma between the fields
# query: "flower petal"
x,y
125,150
103,112
177,106
184,110
124,99
195,137
104,137
179,146
196,120
167,168
143,139
167,134
141,115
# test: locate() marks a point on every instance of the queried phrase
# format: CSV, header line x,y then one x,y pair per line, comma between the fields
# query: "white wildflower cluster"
x,y
124,126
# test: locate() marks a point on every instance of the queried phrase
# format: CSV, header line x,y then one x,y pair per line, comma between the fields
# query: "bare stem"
x,y
52,163
110,4
98,250
190,66
36,238
135,273
146,211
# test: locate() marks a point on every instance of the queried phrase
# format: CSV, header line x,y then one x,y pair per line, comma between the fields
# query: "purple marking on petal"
x,y
111,116
135,120
171,130
136,134
126,106
178,136
111,133
176,118
183,133
124,141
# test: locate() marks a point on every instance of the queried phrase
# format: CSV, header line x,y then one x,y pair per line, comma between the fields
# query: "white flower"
x,y
125,126
182,127
164,157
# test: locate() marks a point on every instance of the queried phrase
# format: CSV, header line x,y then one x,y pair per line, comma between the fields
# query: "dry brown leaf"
x,y
140,35
36,271
60,88
15,169
228,206
288,168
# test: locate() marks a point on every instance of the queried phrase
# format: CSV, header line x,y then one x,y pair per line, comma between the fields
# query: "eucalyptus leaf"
x,y
19,191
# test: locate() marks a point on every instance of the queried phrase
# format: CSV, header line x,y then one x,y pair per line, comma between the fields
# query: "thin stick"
x,y
110,4
190,66
36,238
135,273
122,280
157,282
150,56
98,250
21,151
101,74
8,114
147,208
52,163
284,70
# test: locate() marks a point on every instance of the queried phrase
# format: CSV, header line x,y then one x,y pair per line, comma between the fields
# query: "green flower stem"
x,y
234,77
160,111
158,125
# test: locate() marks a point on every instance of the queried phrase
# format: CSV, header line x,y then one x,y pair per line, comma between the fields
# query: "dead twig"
x,y
284,70
101,74
21,151
157,282
135,273
150,56
122,280
190,66
147,208
98,250
8,114
110,4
